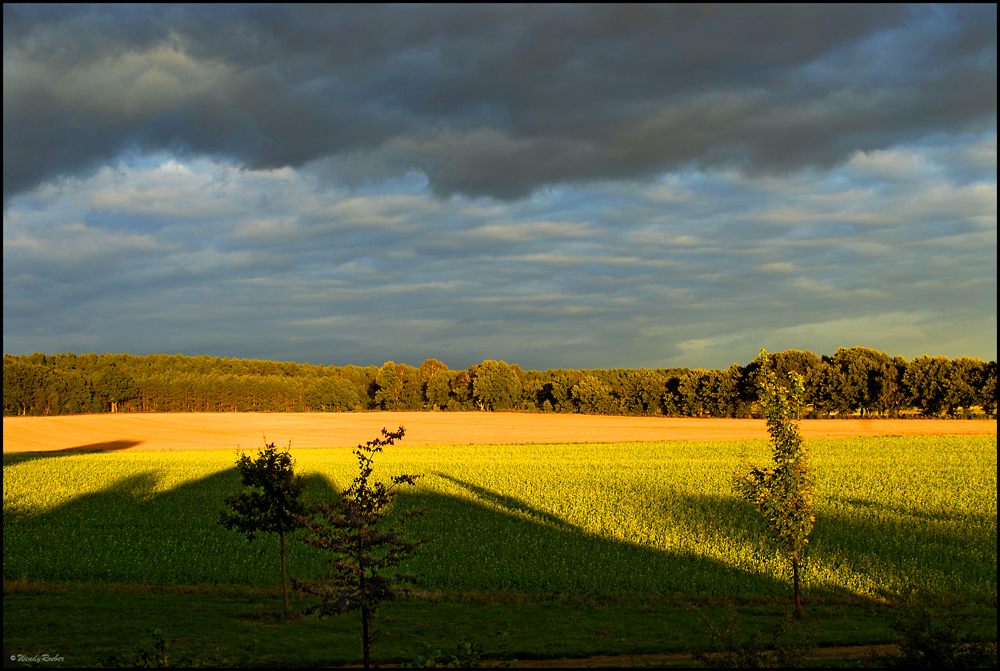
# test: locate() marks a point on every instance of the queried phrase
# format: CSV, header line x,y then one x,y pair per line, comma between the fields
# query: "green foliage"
x,y
155,657
642,392
783,492
854,380
398,387
595,397
926,378
143,657
332,393
115,385
271,502
553,390
437,390
709,393
732,649
868,381
938,385
987,399
20,380
496,386
466,656
461,391
963,383
354,529
929,640
434,379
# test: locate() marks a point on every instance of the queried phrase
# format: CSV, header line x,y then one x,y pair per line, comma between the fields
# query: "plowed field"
x,y
190,431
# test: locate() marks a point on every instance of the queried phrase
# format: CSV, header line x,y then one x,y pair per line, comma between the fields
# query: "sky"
x,y
552,186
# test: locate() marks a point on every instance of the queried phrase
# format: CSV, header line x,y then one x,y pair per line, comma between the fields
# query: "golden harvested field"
x,y
226,431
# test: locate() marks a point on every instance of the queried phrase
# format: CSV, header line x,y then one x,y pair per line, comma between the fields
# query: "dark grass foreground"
x,y
85,625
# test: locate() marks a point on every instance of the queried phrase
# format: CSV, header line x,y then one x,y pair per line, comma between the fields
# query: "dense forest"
x,y
854,381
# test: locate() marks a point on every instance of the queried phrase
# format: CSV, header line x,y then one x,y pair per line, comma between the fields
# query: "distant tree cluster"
x,y
853,381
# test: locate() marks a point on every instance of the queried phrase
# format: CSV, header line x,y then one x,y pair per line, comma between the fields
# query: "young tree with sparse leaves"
x,y
364,545
783,492
270,504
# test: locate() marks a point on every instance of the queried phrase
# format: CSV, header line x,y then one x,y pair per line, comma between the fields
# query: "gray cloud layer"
x,y
488,100
894,250
577,186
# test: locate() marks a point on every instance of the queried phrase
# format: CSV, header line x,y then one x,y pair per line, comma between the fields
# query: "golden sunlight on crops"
x,y
186,431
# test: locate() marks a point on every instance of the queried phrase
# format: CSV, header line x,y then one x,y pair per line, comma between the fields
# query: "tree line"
x,y
854,381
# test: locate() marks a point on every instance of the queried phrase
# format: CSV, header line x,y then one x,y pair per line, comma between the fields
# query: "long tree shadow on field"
x,y
947,553
10,458
509,503
498,543
133,532
727,521
902,550
879,508
483,541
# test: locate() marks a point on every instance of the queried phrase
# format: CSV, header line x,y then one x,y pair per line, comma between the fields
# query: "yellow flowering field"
x,y
895,516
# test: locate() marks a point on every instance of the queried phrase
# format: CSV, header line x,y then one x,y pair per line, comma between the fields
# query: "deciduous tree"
x,y
987,398
783,492
461,390
496,386
642,392
398,387
333,393
115,385
427,370
966,377
926,379
593,396
867,380
271,502
437,391
20,380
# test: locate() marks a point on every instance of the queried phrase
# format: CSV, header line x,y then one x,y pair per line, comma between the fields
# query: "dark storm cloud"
x,y
494,100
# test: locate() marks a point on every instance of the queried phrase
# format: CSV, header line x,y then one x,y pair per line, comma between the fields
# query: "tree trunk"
x,y
365,615
795,578
284,582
